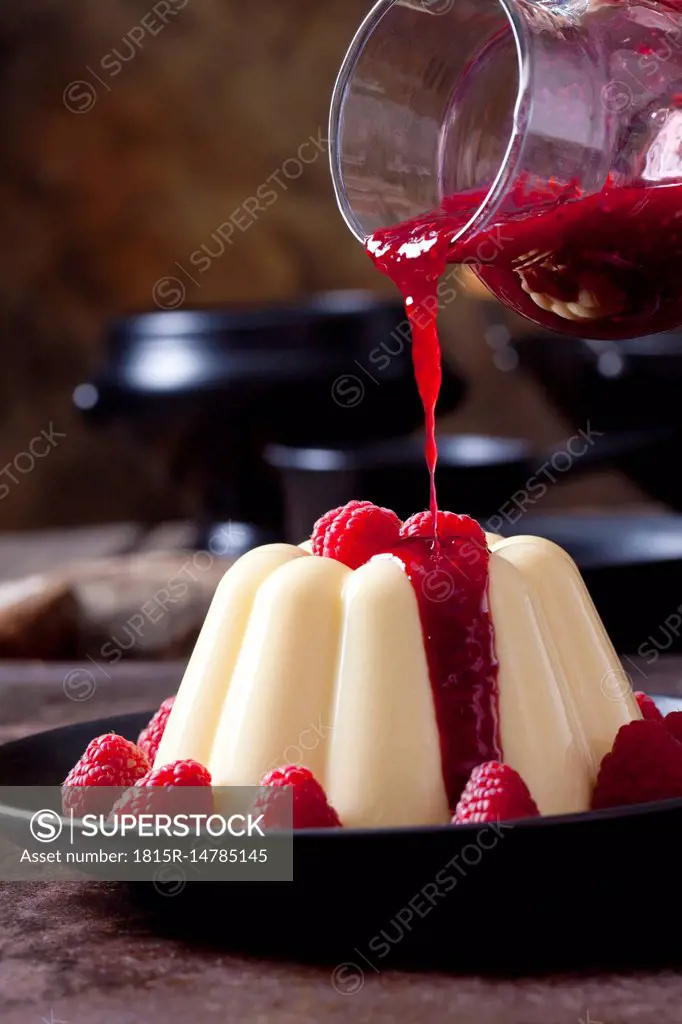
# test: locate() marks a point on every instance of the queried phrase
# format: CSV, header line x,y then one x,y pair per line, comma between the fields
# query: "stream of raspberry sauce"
x,y
448,567
630,239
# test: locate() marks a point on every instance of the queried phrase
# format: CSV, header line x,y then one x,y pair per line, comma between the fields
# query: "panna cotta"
x,y
392,680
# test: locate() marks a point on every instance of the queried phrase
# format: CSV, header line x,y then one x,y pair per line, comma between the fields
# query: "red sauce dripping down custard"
x,y
617,252
451,591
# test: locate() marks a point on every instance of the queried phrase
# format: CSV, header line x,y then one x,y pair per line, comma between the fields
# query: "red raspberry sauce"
x,y
564,242
450,585
417,278
629,236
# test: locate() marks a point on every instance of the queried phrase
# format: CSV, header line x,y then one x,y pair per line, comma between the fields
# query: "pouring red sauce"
x,y
601,266
605,265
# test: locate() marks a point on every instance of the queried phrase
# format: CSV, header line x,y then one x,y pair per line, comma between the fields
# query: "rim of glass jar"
x,y
513,153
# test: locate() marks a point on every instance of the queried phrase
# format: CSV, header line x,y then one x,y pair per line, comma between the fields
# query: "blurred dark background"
x,y
130,134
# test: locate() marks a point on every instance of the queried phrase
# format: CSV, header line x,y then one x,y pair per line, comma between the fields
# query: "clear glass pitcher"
x,y
544,138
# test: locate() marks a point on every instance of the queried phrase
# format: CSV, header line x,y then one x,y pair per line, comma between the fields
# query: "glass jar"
x,y
542,141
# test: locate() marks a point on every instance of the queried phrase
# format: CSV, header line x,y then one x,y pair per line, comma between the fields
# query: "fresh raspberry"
x,y
310,807
164,791
109,761
355,532
178,773
673,723
321,527
644,764
462,540
648,707
450,524
494,792
150,737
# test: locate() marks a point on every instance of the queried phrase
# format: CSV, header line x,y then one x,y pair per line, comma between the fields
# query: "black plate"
x,y
564,892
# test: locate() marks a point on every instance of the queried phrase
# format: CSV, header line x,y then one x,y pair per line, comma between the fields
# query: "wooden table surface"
x,y
84,954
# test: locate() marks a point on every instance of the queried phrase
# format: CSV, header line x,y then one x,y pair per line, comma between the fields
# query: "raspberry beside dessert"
x,y
648,707
150,737
109,760
644,764
178,773
355,532
160,790
310,807
494,792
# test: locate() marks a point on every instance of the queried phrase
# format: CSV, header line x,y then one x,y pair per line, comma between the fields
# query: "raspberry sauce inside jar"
x,y
451,584
604,265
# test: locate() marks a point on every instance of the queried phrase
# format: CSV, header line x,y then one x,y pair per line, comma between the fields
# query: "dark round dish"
x,y
549,893
476,472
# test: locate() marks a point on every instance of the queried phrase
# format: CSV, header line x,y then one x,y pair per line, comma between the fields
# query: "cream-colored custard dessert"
x,y
391,664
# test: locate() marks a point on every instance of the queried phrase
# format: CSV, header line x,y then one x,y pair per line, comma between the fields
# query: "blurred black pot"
x,y
334,370
497,480
632,385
